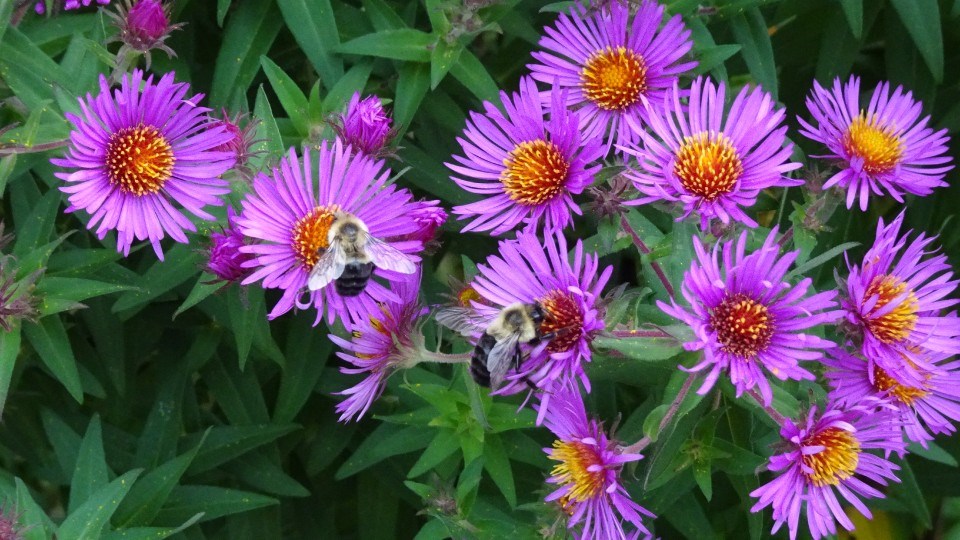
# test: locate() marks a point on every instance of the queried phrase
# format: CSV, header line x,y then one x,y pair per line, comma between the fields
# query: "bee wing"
x,y
328,268
385,256
500,359
460,319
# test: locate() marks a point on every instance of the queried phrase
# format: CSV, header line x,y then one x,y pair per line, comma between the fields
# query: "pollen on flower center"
x,y
743,325
576,459
534,172
139,160
877,145
708,165
837,461
310,235
897,323
468,295
905,394
564,320
614,78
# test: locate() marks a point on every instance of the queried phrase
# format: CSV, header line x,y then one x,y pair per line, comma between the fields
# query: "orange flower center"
x,y
534,172
614,79
563,318
575,459
895,325
837,461
905,394
310,235
878,146
139,160
744,326
708,165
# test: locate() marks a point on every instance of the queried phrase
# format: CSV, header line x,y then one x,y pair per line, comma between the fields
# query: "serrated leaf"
x,y
248,35
922,20
315,28
49,338
87,522
213,502
90,473
401,44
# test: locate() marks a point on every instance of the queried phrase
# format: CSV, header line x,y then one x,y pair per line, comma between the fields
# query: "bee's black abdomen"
x,y
478,362
354,279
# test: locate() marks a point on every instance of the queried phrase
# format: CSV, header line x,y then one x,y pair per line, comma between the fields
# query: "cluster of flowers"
x,y
605,84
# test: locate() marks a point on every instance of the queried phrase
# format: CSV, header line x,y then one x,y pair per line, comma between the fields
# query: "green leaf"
x,y
87,522
933,452
440,448
307,353
290,96
354,81
473,74
225,443
151,533
497,462
63,293
804,268
922,20
412,85
222,7
180,264
248,35
750,31
6,9
148,495
37,526
688,516
314,27
382,16
90,473
35,229
29,71
267,130
853,11
9,350
714,56
186,502
908,493
442,58
386,440
402,44
644,348
49,338
205,286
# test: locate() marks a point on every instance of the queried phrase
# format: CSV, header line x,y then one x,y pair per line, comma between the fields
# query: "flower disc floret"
x,y
535,172
614,78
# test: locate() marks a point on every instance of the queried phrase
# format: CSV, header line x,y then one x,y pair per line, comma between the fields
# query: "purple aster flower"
x,y
587,473
526,167
364,125
290,214
429,216
17,301
884,149
747,318
137,152
225,259
243,129
41,6
144,25
527,271
924,410
384,342
613,65
896,298
710,162
826,457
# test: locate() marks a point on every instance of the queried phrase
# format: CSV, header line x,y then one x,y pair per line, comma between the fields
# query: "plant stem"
x,y
443,358
776,416
646,251
671,412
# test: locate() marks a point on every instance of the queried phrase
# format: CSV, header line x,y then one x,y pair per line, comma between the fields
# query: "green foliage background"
x,y
168,408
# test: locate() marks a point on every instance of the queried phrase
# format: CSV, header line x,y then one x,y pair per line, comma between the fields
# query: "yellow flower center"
x,y
708,165
837,461
563,319
895,325
878,146
614,79
744,326
575,459
139,160
310,235
535,172
905,394
467,295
